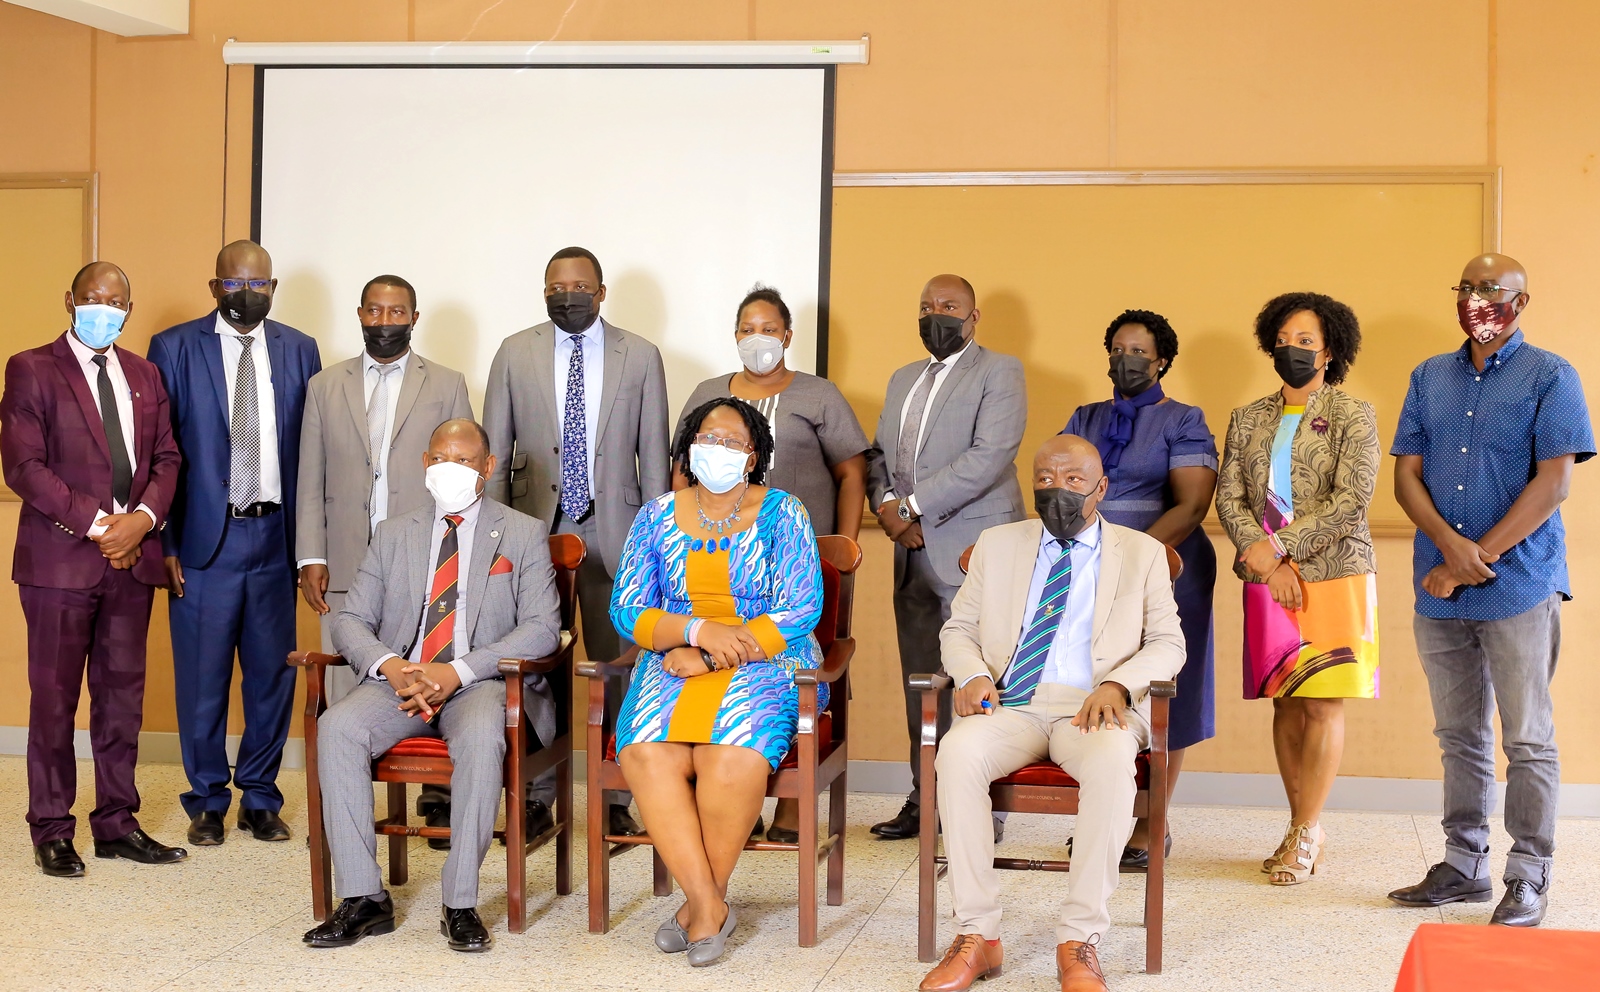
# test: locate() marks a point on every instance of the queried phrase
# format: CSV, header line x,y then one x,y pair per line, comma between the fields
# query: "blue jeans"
x,y
1473,665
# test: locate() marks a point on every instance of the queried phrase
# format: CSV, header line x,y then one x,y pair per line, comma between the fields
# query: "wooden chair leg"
x,y
836,827
321,857
659,873
599,850
564,820
516,849
1155,881
927,850
399,869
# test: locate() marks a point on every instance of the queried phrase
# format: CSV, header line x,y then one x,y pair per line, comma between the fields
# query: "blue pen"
x,y
987,705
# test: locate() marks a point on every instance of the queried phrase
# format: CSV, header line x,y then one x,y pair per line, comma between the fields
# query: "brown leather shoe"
x,y
1078,967
969,958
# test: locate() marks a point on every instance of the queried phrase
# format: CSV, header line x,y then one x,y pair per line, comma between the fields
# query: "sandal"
x,y
1307,851
1283,848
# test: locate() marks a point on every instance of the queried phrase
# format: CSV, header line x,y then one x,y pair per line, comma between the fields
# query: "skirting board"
x,y
1390,795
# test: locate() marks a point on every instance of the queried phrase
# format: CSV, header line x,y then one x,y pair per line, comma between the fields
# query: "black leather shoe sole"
x,y
1472,895
377,929
465,946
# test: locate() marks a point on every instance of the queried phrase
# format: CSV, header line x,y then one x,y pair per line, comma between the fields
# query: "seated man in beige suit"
x,y
1053,641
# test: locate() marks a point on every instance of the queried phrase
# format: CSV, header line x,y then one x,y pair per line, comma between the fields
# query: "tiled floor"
x,y
231,917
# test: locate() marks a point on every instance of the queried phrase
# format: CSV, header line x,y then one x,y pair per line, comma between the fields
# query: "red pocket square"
x,y
501,566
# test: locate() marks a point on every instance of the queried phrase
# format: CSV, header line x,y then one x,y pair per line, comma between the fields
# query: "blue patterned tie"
x,y
1027,664
574,440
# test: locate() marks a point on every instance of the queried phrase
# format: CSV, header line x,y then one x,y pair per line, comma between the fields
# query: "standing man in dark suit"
x,y
86,442
942,470
576,411
237,382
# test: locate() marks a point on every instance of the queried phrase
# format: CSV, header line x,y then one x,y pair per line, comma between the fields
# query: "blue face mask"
x,y
96,324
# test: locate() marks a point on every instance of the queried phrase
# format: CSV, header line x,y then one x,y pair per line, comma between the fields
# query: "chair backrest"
x,y
567,552
844,555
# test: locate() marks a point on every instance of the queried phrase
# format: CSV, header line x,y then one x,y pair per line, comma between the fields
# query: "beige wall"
x,y
1007,84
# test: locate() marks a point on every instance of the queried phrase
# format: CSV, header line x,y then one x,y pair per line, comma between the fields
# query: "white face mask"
x,y
717,468
760,353
454,486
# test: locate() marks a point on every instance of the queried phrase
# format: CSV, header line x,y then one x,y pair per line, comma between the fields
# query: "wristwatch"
x,y
905,509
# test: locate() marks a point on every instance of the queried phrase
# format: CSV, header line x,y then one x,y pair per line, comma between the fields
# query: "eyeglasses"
x,y
234,285
731,443
1489,294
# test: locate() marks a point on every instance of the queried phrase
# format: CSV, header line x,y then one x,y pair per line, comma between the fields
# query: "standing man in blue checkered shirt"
x,y
1485,449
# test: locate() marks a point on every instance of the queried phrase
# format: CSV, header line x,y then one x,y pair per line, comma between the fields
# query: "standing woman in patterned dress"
x,y
720,586
1298,475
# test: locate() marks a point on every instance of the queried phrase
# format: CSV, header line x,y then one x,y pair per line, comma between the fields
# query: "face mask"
x,y
572,312
385,341
1295,366
941,334
760,353
97,324
716,467
1131,374
246,308
1484,321
454,486
1062,512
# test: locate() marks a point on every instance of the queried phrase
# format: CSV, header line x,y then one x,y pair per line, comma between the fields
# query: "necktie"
x,y
905,459
439,623
111,420
574,440
377,426
1027,664
244,431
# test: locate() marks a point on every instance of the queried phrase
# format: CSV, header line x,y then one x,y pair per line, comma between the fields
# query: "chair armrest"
x,y
307,659
1164,689
607,669
930,682
833,666
539,666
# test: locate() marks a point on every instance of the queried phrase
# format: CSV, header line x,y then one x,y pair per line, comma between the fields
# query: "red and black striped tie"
x,y
438,639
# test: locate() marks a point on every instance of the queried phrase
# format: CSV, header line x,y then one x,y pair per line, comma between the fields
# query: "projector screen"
x,y
690,184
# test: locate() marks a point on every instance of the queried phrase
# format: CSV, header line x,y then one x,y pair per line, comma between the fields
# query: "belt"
x,y
254,509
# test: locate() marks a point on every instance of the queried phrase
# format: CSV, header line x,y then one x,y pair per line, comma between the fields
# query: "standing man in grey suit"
x,y
942,469
576,410
446,591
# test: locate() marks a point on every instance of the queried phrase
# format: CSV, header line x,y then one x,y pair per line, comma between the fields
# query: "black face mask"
x,y
572,312
1295,366
385,341
941,334
246,308
1062,512
1132,374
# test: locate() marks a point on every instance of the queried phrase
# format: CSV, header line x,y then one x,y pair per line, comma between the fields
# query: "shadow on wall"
x,y
305,302
842,354
451,331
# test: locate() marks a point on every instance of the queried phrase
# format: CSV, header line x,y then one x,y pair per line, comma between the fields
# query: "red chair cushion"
x,y
420,747
1048,773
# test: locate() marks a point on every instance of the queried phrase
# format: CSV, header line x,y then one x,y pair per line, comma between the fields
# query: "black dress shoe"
x,y
1443,884
781,835
621,823
58,858
205,829
463,930
355,918
438,815
1132,857
139,846
1521,906
906,823
263,824
536,819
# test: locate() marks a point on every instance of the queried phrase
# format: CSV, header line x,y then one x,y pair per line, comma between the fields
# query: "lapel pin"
x,y
494,533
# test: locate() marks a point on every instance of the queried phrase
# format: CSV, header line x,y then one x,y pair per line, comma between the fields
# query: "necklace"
x,y
726,523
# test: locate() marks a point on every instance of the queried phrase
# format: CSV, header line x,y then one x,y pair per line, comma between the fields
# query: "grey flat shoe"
x,y
707,951
671,937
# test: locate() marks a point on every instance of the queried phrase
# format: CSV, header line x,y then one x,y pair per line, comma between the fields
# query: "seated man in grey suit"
x,y
445,593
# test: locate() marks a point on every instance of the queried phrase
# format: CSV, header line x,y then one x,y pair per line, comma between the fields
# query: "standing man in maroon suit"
x,y
86,441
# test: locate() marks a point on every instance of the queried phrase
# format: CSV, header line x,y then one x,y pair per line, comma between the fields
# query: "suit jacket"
x,y
632,460
1333,472
53,445
514,613
966,468
333,514
190,359
1137,638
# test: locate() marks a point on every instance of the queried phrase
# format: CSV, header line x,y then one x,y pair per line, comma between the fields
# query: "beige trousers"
x,y
981,748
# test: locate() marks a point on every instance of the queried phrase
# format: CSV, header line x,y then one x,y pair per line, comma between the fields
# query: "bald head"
x,y
948,298
1492,267
462,442
1490,298
244,260
949,286
1069,462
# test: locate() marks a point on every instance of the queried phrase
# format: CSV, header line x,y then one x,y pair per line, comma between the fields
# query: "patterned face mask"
x,y
1484,321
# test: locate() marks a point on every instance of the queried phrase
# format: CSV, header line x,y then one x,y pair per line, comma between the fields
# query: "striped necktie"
x,y
1027,664
439,625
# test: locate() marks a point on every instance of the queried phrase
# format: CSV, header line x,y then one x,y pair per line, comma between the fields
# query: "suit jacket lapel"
x,y
410,388
142,443
1016,600
211,351
278,364
419,542
894,401
544,371
485,544
67,362
616,350
952,382
1105,585
355,397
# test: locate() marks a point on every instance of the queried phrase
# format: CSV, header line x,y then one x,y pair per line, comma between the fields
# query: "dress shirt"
x,y
119,387
464,531
271,481
938,380
593,340
1070,660
1479,435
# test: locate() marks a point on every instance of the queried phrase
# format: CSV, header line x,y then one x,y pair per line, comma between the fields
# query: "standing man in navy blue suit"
x,y
237,383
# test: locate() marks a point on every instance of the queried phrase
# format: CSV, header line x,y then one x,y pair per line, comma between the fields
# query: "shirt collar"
x,y
368,363
593,333
951,360
86,354
1501,355
1089,537
227,330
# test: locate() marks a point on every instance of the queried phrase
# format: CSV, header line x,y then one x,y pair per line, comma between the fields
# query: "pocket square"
x,y
501,566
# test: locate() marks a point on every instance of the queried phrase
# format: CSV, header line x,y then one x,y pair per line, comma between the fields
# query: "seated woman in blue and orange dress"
x,y
720,585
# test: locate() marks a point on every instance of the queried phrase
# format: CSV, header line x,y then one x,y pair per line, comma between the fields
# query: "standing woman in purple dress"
x,y
1161,463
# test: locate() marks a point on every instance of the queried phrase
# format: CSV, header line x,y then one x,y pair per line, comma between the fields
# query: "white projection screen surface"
x,y
690,184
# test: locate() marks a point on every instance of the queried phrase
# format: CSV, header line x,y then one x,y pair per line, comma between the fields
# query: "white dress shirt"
x,y
464,532
271,480
593,340
905,410
124,394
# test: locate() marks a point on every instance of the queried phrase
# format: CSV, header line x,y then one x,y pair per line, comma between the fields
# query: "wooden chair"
x,y
818,759
426,761
1043,787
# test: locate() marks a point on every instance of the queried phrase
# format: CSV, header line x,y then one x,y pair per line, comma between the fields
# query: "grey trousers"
x,y
601,642
366,723
921,606
1473,665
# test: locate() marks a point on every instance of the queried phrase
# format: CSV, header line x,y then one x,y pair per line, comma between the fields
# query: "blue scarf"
x,y
1119,428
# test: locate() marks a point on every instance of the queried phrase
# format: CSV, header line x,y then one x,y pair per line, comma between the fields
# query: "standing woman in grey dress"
x,y
819,451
